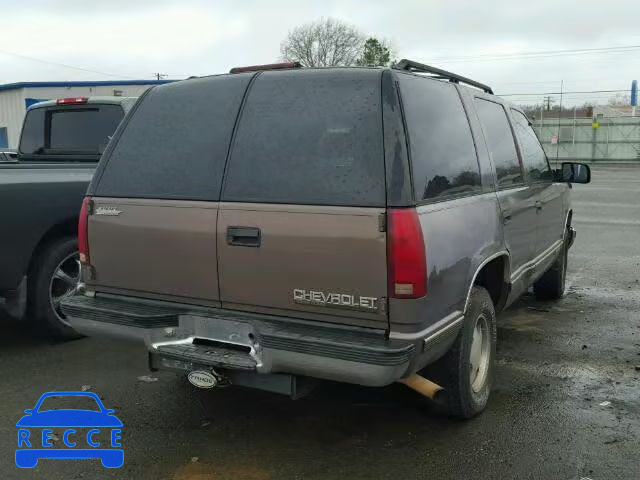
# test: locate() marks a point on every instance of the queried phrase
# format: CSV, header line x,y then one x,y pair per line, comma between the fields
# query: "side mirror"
x,y
572,172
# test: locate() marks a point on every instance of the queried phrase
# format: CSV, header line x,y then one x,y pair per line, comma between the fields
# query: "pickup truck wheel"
x,y
466,370
55,277
550,286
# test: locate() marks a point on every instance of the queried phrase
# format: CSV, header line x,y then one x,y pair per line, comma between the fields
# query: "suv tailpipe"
x,y
425,387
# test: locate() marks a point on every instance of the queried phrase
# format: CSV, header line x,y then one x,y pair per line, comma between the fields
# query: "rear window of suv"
x,y
311,137
175,143
69,130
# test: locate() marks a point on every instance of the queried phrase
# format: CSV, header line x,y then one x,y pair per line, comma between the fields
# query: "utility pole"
x,y
541,120
548,100
559,120
160,76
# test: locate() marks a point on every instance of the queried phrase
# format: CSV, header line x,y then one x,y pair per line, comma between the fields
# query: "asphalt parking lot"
x,y
566,404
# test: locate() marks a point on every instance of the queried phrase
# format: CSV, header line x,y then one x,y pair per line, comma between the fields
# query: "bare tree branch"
x,y
326,43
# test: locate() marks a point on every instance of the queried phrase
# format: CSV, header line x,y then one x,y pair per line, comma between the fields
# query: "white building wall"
x,y
11,114
12,102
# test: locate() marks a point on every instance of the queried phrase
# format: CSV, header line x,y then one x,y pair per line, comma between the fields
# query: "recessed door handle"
x,y
538,205
506,216
244,236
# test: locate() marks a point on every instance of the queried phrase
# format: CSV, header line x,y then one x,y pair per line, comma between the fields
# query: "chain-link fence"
x,y
584,139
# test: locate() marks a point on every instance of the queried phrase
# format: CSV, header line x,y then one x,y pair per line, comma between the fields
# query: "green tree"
x,y
374,54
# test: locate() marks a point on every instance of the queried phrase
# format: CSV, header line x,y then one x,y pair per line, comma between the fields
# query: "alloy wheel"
x,y
479,354
64,283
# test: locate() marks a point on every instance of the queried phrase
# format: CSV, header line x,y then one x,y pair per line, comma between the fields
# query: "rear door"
x,y
516,198
152,230
300,225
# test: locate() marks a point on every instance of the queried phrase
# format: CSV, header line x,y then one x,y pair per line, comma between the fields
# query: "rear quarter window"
x,y
174,144
443,155
310,137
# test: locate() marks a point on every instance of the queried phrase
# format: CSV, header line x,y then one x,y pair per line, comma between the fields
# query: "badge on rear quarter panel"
x,y
110,211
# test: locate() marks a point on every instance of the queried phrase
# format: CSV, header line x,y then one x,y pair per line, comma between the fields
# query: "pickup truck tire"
x,y
466,370
550,286
45,277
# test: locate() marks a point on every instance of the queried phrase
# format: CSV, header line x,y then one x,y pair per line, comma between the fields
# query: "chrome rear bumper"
x,y
240,341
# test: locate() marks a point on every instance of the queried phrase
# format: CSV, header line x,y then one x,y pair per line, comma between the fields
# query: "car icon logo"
x,y
86,433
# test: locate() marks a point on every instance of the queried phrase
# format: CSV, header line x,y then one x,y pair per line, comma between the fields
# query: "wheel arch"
x,y
493,273
63,229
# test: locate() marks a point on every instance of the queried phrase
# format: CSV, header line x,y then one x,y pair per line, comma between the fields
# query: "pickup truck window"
x,y
533,156
500,143
69,130
4,139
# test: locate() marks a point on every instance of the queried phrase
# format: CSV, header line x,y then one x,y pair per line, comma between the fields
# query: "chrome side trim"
x,y
539,259
566,218
443,331
432,330
484,262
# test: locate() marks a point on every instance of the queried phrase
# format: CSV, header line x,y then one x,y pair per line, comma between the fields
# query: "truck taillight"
x,y
83,231
406,257
72,100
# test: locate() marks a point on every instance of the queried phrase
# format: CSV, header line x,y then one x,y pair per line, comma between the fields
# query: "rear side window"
x,y
32,139
500,143
443,155
176,141
69,130
310,137
4,139
533,156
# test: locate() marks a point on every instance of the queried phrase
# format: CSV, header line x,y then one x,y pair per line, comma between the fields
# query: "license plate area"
x,y
209,341
210,330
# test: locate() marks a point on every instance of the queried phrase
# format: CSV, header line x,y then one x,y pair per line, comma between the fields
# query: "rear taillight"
x,y
407,263
83,230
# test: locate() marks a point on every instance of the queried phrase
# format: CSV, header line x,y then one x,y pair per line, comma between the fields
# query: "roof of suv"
x,y
404,65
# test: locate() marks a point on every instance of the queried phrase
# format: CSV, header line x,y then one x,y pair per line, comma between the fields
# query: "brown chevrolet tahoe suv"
x,y
271,227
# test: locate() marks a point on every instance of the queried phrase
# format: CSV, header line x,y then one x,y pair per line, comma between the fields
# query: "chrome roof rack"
x,y
411,66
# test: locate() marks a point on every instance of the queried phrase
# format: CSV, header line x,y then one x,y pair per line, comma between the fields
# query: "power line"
x,y
539,54
589,80
34,59
558,93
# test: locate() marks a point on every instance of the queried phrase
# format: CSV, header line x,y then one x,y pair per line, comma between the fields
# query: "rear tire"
x,y
550,286
466,371
54,272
